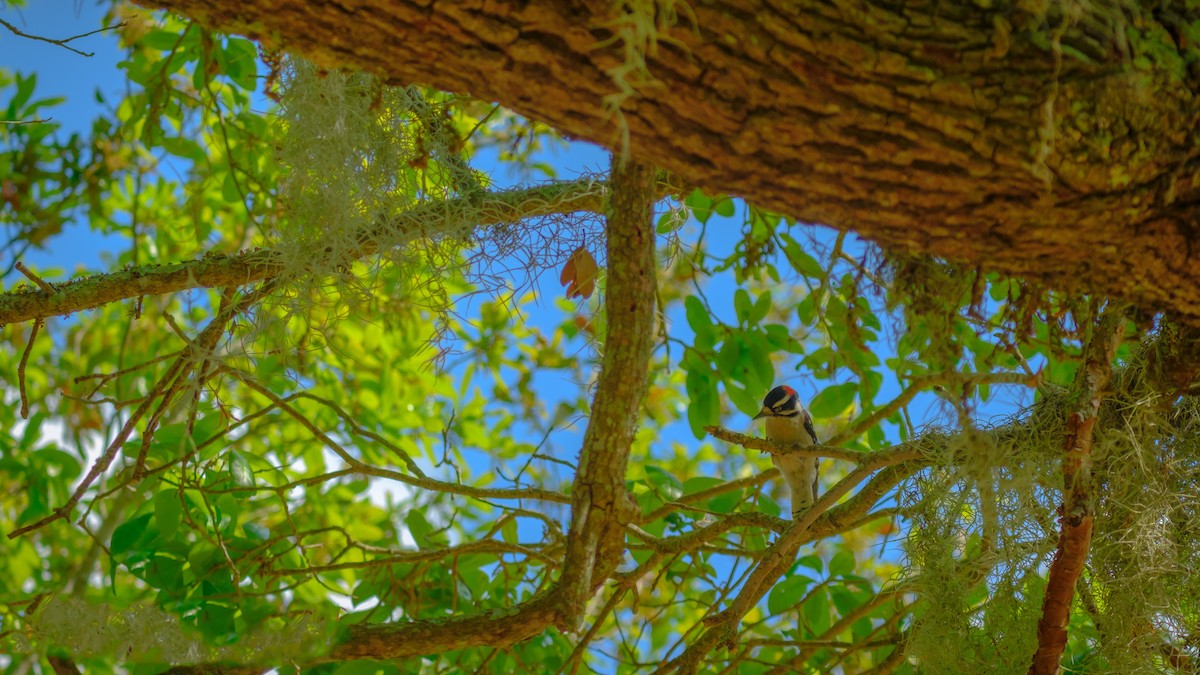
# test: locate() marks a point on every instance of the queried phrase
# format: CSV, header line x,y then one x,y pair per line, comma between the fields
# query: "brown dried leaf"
x,y
579,274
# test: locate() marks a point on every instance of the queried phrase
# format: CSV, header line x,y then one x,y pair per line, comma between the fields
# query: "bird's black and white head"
x,y
782,401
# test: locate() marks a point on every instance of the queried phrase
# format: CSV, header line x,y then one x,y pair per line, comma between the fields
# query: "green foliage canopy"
x,y
379,424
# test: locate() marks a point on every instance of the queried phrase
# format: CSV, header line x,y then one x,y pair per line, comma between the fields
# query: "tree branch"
x,y
1091,384
894,455
61,42
602,506
211,271
972,138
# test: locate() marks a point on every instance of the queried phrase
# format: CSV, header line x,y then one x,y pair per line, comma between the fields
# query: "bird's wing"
x,y
808,426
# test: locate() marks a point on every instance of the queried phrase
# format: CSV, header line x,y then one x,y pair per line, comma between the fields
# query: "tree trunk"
x,y
1058,147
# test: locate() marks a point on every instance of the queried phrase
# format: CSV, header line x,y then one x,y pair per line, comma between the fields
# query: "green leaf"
x,y
745,401
159,39
704,407
215,620
649,501
841,564
256,531
239,469
724,206
726,502
168,513
227,511
239,60
801,262
667,222
834,400
769,506
700,205
128,533
787,593
697,316
184,147
165,571
780,339
742,306
816,611
761,308
729,357
25,86
845,600
699,484
762,371
667,485
806,309
812,562
419,528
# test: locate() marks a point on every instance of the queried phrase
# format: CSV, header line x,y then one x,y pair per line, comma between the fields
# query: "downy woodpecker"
x,y
787,420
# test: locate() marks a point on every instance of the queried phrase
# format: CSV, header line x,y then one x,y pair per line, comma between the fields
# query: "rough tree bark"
x,y
1057,144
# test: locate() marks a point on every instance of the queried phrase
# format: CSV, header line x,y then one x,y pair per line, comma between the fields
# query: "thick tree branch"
x,y
1035,143
602,506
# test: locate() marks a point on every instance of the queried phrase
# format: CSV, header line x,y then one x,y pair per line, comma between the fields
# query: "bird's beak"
x,y
765,412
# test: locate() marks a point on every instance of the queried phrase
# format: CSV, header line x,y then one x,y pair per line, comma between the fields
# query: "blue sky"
x,y
64,73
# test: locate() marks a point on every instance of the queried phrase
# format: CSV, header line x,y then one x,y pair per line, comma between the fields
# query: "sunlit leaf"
x,y
668,485
128,533
168,512
834,400
787,593
239,468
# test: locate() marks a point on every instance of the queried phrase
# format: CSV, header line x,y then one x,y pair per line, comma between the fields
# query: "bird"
x,y
788,421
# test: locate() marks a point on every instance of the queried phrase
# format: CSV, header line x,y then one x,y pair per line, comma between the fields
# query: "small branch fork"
x,y
37,325
63,41
892,464
166,387
1077,518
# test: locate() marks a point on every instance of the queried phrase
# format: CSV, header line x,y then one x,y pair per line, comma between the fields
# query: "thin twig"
x,y
409,462
21,369
106,458
896,454
704,495
42,283
61,42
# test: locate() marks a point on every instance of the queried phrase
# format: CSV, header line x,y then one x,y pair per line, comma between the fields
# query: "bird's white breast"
x,y
798,472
